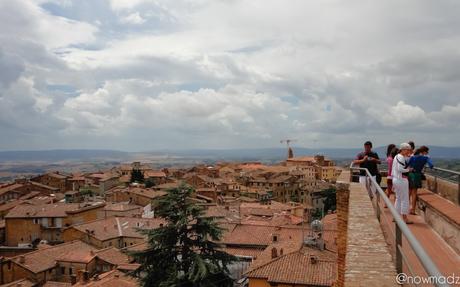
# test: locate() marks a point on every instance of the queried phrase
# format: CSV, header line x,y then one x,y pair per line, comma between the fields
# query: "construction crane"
x,y
289,150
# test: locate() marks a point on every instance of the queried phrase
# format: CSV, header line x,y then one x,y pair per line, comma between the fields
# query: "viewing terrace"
x,y
379,245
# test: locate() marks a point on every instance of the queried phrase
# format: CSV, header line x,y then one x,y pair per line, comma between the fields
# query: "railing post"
x,y
435,182
458,190
377,197
398,243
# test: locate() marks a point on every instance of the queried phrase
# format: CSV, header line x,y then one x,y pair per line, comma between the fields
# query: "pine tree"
x,y
137,176
184,251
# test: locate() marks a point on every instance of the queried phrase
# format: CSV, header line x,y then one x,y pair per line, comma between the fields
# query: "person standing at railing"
x,y
399,173
417,162
370,160
392,151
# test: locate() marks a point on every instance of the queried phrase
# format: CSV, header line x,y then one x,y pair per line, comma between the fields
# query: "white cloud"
x,y
133,18
232,73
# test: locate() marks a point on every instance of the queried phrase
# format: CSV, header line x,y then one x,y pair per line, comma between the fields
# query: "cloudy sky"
x,y
151,74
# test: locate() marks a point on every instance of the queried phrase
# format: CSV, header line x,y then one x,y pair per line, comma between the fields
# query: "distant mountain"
x,y
262,154
280,153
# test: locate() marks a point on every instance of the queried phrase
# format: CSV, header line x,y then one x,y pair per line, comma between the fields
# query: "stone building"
x,y
46,221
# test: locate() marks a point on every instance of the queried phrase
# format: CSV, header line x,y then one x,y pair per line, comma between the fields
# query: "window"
x,y
70,271
36,221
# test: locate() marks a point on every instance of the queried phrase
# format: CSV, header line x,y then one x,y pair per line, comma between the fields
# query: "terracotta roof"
x,y
244,251
273,205
121,206
125,178
30,195
258,235
280,179
154,173
260,211
137,247
10,187
43,185
166,186
11,204
284,246
20,283
297,268
56,284
110,279
49,210
84,254
128,266
113,256
147,192
113,227
44,259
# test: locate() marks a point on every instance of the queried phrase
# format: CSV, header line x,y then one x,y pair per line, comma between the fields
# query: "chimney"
x,y
274,253
22,259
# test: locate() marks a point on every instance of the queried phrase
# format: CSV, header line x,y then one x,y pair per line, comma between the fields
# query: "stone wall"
x,y
446,189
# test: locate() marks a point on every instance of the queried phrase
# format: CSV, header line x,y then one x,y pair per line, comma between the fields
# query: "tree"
x,y
137,176
330,201
149,182
183,252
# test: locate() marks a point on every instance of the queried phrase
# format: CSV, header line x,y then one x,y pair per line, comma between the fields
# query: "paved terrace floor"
x,y
368,260
361,231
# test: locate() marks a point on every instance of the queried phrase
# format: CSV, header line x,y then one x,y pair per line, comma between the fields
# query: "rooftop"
x,y
44,259
305,266
113,227
50,210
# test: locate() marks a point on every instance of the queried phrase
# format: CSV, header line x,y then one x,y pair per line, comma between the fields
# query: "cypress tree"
x,y
184,252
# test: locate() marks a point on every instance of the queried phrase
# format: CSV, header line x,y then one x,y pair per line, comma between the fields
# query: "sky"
x,y
140,75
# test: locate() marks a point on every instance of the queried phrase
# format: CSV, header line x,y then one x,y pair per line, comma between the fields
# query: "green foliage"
x,y
86,192
317,214
330,201
149,183
184,251
137,176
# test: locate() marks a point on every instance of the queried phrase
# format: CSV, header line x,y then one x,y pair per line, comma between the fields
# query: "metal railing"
x,y
400,230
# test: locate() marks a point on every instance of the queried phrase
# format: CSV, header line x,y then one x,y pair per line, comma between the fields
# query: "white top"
x,y
399,164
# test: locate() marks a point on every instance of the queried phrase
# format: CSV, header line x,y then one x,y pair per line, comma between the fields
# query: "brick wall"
x,y
342,196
